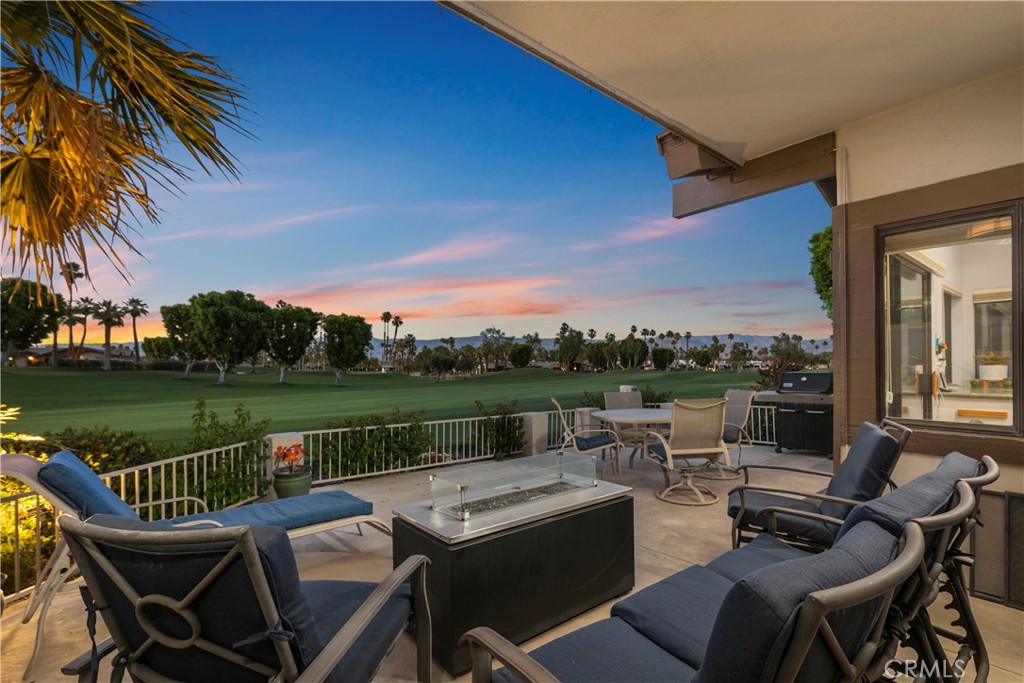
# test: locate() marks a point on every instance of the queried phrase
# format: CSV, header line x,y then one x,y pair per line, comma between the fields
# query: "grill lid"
x,y
806,382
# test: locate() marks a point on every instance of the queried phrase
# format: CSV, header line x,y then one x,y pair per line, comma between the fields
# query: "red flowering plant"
x,y
289,456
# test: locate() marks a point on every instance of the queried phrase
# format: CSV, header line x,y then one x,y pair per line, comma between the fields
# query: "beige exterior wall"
x,y
975,128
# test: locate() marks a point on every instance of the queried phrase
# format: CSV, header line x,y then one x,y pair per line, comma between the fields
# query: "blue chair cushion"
x,y
287,513
76,484
657,450
810,529
590,443
920,497
761,552
756,620
609,651
677,613
228,609
334,602
871,457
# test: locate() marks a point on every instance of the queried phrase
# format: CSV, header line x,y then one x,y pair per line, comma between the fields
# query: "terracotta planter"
x,y
290,484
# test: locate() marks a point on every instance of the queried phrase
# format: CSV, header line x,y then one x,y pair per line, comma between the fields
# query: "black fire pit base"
x,y
524,580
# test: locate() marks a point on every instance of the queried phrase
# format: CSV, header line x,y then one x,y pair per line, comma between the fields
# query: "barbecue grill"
x,y
803,411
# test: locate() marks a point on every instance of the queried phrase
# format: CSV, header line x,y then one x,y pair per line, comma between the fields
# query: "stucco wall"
x,y
955,133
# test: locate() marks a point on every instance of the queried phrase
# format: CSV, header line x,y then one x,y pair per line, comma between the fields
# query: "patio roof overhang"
x,y
751,93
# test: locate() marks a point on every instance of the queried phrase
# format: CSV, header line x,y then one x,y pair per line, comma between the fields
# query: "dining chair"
x,y
585,439
694,443
737,413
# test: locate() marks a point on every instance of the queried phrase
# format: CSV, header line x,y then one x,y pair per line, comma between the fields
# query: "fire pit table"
x,y
520,545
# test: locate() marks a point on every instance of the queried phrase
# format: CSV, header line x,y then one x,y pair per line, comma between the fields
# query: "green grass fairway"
x,y
160,404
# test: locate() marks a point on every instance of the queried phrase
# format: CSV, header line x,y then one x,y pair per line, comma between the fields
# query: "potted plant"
x,y
291,477
992,367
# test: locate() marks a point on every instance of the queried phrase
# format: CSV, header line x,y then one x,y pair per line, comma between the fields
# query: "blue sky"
x,y
407,160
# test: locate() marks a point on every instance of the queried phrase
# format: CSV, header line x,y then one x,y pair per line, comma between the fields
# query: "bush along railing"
x,y
503,432
761,424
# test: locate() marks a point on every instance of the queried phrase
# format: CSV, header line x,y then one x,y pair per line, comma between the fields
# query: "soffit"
x,y
749,78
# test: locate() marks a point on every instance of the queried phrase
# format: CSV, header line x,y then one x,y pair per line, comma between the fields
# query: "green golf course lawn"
x,y
160,404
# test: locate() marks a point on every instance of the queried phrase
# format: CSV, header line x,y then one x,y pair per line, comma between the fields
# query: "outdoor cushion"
x,y
334,602
862,474
919,497
587,443
755,622
288,513
657,449
609,651
229,610
677,613
810,529
764,550
81,488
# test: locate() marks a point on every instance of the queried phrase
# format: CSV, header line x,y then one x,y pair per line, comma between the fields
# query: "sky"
x,y
404,159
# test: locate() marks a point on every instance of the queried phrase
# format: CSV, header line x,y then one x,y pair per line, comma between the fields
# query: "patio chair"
x,y
737,412
226,604
585,439
809,519
694,443
72,488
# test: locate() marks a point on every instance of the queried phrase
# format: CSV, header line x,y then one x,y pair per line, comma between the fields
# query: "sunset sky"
x,y
407,160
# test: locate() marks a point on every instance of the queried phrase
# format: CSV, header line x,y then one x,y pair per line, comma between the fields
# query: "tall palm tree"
x,y
687,336
136,308
71,272
385,318
78,156
591,333
632,329
84,309
396,322
110,315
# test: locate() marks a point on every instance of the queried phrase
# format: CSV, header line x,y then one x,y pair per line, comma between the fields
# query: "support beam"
x,y
685,158
808,161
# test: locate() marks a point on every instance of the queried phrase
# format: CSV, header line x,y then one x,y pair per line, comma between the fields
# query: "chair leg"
x,y
686,485
58,570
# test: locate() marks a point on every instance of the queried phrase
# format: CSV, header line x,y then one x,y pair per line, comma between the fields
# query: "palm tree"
x,y
78,156
632,329
385,318
687,336
71,272
136,308
84,310
591,333
110,315
396,322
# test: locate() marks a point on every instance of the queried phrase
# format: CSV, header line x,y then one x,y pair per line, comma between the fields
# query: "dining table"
x,y
629,419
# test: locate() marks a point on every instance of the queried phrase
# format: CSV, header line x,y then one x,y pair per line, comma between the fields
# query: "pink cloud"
x,y
658,228
465,248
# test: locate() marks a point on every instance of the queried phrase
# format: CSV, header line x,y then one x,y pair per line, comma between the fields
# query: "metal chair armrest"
x,y
412,568
486,644
794,494
745,469
81,665
772,511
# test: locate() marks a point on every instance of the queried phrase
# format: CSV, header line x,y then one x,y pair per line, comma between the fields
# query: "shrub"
x,y
770,374
105,449
650,395
503,433
592,399
372,444
228,483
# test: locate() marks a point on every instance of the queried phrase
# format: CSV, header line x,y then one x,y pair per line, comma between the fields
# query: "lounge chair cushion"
x,y
228,616
862,475
761,552
696,592
287,513
334,602
609,651
764,605
810,529
589,443
81,488
919,497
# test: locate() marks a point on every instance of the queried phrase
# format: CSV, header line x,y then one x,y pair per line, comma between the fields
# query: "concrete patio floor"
x,y
668,538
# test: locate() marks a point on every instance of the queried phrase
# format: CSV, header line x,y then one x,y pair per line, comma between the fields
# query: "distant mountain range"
x,y
754,341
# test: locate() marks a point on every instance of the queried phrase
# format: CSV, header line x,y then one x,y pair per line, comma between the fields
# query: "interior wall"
x,y
967,130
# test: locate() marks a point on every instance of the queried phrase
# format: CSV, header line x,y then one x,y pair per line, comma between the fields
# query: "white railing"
x,y
761,424
347,453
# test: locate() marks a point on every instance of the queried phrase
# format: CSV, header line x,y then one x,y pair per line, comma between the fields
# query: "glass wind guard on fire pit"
x,y
465,492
